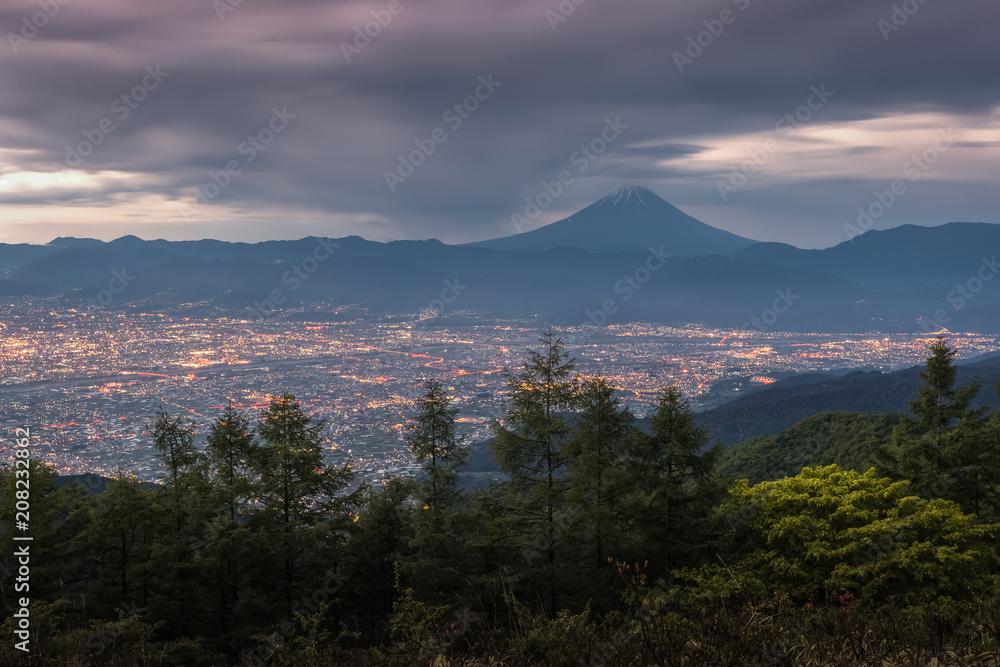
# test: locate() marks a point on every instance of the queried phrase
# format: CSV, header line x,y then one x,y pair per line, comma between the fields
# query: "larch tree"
x,y
596,454
938,447
442,455
674,485
229,449
529,447
301,506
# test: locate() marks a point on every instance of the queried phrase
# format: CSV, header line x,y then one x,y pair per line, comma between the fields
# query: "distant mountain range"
x,y
901,257
630,256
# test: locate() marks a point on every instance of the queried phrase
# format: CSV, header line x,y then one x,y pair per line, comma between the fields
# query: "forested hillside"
x,y
605,545
842,438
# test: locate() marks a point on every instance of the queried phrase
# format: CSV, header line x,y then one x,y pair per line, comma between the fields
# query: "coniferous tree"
x,y
674,485
175,443
222,562
376,548
596,455
938,446
301,511
442,455
121,532
183,508
33,505
529,447
229,448
978,448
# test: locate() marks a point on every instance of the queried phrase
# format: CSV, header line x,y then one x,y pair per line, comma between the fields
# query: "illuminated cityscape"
x,y
88,384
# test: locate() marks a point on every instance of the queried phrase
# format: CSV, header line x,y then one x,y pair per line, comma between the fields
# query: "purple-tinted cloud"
x,y
326,172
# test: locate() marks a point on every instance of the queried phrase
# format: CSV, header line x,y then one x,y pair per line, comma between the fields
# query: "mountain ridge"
x,y
903,280
859,392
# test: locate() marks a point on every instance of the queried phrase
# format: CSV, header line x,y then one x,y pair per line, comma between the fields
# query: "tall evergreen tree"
x,y
596,455
376,548
937,447
175,443
436,446
529,447
185,498
978,449
442,455
301,508
939,404
121,532
229,448
674,485
222,564
33,505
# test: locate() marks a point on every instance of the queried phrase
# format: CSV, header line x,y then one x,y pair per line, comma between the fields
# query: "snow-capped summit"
x,y
626,196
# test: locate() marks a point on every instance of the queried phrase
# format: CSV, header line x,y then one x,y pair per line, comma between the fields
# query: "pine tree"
x,y
175,443
228,448
529,447
596,455
674,485
939,405
33,505
442,455
375,549
221,564
122,529
301,510
183,508
937,447
977,446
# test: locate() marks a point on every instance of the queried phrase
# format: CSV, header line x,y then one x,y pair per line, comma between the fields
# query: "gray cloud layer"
x,y
557,87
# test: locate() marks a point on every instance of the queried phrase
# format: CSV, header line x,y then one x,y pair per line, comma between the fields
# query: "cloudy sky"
x,y
249,119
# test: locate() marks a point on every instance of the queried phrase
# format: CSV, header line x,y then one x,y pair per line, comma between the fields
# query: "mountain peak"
x,y
627,197
631,219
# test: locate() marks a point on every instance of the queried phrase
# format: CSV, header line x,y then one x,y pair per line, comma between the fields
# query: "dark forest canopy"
x,y
872,542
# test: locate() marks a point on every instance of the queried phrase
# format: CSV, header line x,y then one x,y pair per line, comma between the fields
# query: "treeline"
x,y
607,545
